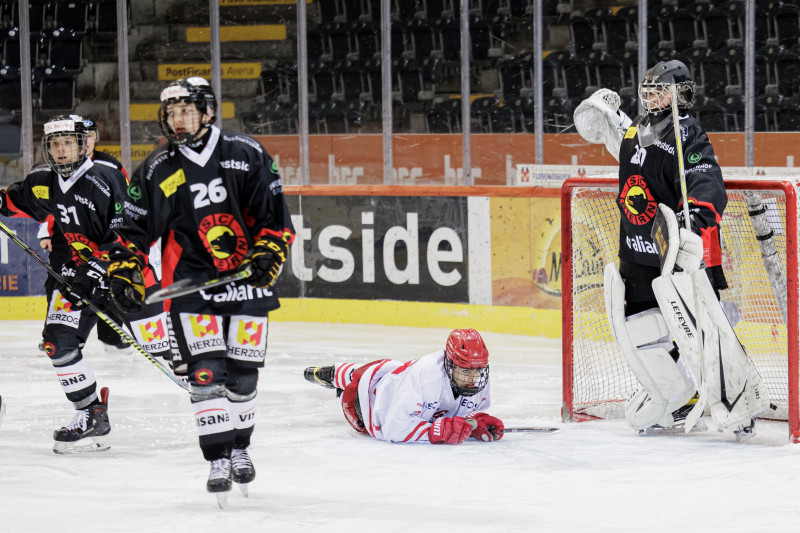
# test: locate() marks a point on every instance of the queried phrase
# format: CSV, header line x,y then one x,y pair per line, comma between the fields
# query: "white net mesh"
x,y
601,380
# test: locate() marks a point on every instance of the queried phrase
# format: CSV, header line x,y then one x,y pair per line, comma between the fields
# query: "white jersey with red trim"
x,y
399,401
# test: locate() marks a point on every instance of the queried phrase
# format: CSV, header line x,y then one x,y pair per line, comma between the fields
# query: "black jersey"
x,y
208,204
60,252
86,207
650,175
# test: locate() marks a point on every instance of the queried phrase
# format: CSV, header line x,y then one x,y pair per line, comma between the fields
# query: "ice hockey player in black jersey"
x,y
86,203
215,199
52,240
645,312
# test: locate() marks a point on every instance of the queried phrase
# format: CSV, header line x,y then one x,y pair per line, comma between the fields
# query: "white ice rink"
x,y
317,474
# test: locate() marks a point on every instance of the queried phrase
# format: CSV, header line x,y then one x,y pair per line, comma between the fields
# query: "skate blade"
x,y
87,445
222,499
244,488
744,436
699,427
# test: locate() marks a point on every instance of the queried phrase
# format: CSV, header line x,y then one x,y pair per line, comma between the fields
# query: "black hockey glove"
x,y
264,261
88,277
681,215
127,280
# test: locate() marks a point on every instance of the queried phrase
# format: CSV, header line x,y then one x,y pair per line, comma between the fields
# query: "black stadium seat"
x,y
56,88
71,14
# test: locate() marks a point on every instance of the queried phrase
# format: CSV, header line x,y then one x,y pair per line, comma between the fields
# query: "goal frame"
x,y
787,187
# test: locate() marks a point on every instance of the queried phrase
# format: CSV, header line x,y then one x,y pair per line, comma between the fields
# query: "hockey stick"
x,y
530,430
105,318
182,287
699,407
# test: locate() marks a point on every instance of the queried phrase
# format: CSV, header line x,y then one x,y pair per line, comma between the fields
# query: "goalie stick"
x,y
699,407
105,318
182,287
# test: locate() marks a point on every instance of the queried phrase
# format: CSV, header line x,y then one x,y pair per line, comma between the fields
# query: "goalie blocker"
x,y
734,387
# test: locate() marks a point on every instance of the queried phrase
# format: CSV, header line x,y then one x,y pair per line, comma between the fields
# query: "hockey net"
x,y
762,279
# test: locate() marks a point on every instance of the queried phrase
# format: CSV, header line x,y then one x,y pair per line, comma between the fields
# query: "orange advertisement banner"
x,y
437,159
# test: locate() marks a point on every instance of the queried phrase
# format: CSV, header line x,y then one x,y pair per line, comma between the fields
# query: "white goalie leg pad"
x,y
735,390
644,341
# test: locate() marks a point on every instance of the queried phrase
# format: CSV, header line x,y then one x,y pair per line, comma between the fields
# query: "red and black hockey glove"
x,y
449,431
264,261
127,280
88,277
488,428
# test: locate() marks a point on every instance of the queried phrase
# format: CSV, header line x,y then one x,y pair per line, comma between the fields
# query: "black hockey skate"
x,y
322,375
243,470
121,347
219,480
84,433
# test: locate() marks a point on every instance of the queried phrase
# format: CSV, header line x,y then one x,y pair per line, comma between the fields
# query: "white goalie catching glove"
x,y
599,120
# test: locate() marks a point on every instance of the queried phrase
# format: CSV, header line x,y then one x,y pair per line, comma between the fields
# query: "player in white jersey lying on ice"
x,y
438,398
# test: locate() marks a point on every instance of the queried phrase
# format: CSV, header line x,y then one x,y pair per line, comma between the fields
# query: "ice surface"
x,y
317,474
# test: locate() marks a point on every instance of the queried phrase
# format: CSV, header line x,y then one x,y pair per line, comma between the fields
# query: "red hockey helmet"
x,y
465,353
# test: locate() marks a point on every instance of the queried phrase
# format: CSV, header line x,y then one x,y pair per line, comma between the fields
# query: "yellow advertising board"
x,y
138,151
230,71
261,32
149,112
526,266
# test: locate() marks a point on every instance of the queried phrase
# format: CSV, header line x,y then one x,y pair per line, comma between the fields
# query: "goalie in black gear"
x,y
649,176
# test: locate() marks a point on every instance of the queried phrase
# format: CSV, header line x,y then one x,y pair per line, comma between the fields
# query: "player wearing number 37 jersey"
x,y
438,398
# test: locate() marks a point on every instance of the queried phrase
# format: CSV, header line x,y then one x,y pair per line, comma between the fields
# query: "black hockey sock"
x,y
212,452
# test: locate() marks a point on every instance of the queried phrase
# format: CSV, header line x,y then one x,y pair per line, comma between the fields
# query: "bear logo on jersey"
x,y
636,201
82,247
224,240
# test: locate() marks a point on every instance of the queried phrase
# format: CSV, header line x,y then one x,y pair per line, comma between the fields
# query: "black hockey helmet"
x,y
194,90
64,157
657,81
91,127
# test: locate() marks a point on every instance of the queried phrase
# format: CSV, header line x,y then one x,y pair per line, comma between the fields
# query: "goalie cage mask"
x,y
657,81
70,126
194,90
465,350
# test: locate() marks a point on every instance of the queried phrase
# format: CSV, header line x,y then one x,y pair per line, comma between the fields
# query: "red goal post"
x,y
596,378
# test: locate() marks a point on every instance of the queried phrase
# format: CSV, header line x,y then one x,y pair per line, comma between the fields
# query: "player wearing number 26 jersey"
x,y
438,398
215,200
